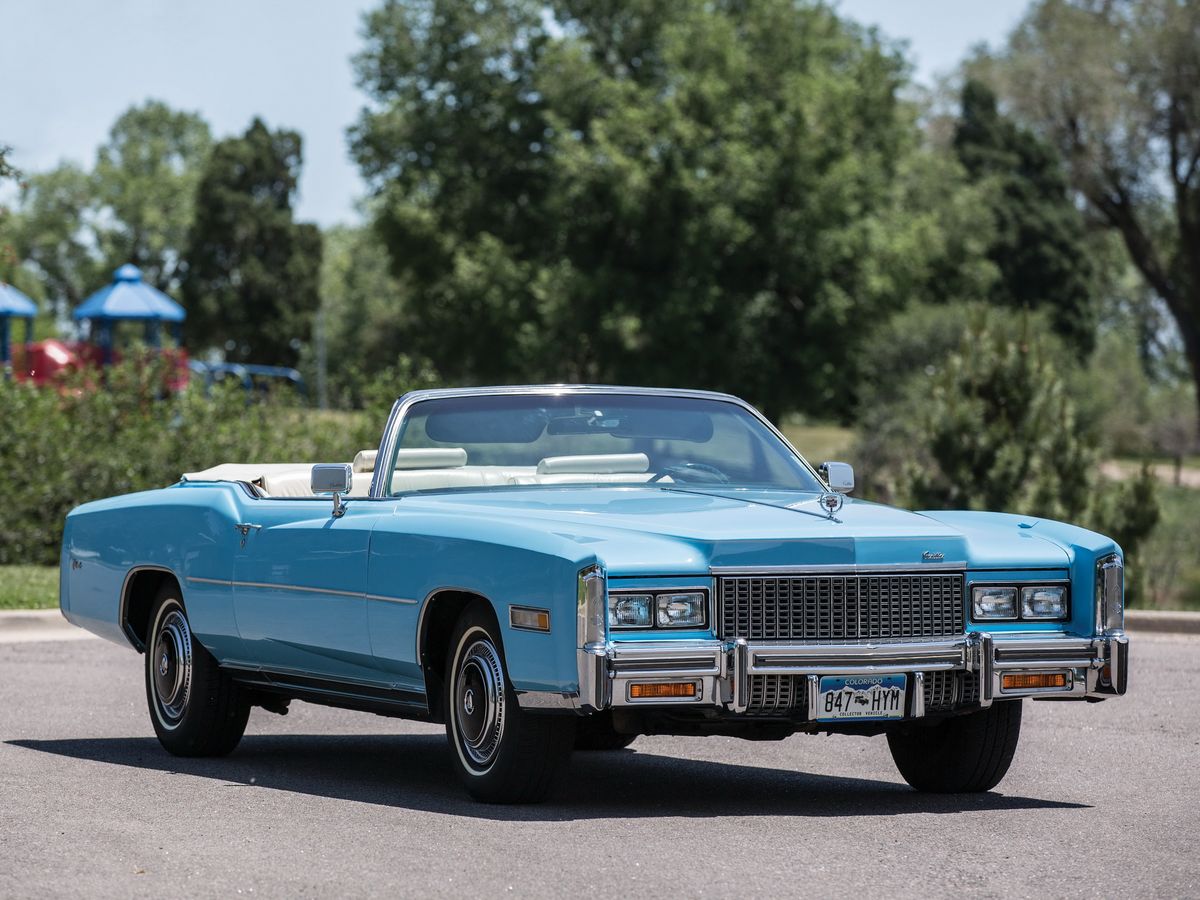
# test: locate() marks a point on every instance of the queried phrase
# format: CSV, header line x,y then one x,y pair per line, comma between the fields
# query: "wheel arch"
x,y
141,587
439,613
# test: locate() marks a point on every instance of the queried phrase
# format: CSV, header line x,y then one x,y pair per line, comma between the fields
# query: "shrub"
x,y
98,436
993,425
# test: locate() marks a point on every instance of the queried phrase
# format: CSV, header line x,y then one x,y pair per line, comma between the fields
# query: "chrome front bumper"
x,y
1095,667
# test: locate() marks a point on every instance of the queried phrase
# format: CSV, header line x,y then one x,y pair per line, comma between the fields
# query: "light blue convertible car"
x,y
567,567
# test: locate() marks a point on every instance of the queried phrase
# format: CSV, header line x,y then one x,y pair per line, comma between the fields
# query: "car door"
x,y
299,578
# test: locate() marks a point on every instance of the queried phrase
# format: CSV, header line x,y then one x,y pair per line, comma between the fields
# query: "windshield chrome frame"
x,y
385,457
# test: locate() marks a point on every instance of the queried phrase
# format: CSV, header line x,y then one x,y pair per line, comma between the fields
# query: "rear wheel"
x,y
501,754
963,754
196,709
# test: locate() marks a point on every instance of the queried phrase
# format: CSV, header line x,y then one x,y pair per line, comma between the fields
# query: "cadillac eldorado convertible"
x,y
553,568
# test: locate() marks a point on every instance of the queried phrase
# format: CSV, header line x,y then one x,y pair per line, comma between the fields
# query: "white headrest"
x,y
431,458
598,463
364,460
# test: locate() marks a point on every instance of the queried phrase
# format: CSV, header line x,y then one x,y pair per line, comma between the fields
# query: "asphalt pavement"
x,y
1103,800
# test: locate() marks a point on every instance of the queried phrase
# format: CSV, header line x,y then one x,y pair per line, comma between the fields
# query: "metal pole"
x,y
322,388
4,335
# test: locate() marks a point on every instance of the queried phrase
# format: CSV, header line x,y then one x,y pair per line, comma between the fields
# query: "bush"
x,y
83,441
992,425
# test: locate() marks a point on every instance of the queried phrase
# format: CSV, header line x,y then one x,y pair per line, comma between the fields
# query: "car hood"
x,y
643,530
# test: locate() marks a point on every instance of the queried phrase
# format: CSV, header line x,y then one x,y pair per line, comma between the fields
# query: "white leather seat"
x,y
596,463
364,460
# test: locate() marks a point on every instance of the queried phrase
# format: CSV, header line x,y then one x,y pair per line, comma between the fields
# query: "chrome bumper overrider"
x,y
1095,667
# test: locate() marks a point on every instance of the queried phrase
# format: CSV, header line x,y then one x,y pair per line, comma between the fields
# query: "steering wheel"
x,y
686,472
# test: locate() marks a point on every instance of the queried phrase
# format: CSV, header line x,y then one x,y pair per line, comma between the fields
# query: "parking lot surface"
x,y
1103,800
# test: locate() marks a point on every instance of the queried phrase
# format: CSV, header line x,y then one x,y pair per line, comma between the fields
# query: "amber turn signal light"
x,y
661,691
530,618
1022,681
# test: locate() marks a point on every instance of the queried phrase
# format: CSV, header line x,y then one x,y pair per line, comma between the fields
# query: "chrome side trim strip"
x,y
304,589
403,601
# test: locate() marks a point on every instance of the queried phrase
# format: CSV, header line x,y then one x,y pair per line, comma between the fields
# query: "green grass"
x,y
28,587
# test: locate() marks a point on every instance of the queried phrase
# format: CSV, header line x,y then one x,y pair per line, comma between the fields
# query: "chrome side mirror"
x,y
333,478
839,475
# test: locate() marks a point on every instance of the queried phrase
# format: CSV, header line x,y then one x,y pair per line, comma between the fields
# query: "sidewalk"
x,y
1177,622
24,626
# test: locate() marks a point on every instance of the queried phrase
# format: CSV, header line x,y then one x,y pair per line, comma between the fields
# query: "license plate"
x,y
861,697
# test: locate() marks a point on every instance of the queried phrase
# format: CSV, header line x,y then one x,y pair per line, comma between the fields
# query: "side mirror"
x,y
840,476
333,478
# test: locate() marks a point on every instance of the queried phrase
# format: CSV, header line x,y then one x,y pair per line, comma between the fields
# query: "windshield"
x,y
589,439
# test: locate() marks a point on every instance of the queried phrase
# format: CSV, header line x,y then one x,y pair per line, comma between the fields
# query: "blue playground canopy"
x,y
128,297
13,304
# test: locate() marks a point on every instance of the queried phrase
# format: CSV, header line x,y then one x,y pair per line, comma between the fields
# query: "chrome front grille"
x,y
841,607
772,695
940,690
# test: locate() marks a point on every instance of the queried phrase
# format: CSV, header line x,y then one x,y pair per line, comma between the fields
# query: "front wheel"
x,y
501,754
196,709
960,755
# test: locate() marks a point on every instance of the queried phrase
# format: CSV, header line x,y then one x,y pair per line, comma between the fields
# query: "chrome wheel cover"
x,y
479,703
171,666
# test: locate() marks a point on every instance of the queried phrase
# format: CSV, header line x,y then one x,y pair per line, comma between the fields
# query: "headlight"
x,y
1044,602
681,610
658,609
994,602
1110,593
630,610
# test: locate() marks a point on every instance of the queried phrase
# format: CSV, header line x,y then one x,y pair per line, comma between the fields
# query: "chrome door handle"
x,y
245,528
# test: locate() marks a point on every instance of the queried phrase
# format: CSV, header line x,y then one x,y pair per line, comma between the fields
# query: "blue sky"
x,y
68,69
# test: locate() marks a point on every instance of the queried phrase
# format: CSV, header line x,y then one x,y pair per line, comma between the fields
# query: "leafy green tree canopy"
x,y
145,178
51,233
73,227
993,425
252,282
1039,246
648,191
1115,87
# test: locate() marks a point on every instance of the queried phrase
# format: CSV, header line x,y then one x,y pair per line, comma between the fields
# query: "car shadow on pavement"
x,y
413,772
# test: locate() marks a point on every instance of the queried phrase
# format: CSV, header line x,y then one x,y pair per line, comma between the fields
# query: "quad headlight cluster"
x,y
658,609
997,602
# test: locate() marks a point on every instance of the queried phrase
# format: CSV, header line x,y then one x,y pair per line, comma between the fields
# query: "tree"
x,y
1039,245
73,227
251,285
7,170
145,180
647,191
993,425
52,233
1114,85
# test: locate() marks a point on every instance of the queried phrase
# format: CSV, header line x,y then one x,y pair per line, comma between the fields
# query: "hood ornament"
x,y
831,503
932,556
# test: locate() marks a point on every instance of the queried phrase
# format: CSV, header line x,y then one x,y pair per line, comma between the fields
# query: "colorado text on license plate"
x,y
861,697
